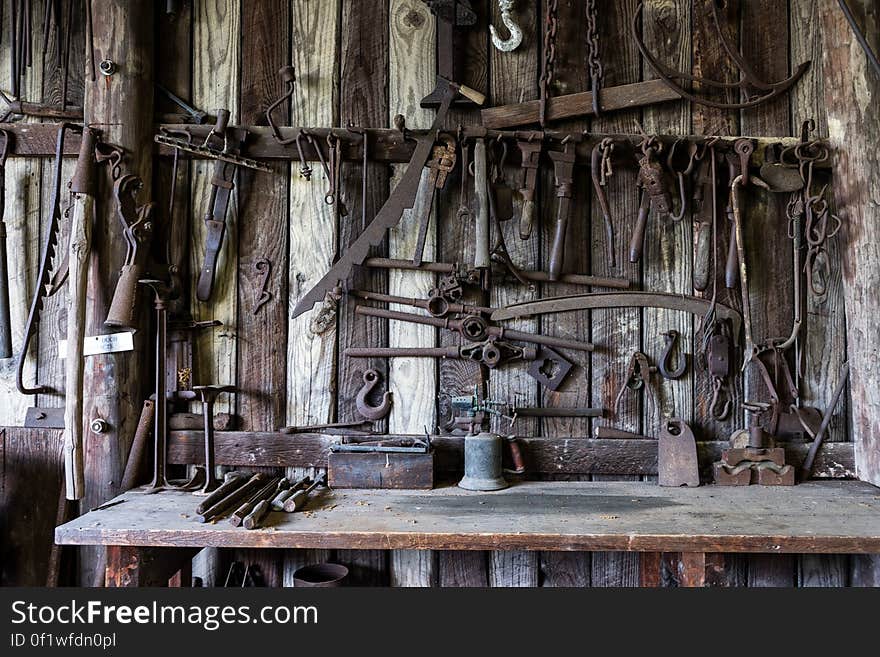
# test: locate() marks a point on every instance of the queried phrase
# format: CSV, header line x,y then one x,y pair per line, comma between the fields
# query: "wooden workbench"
x,y
818,517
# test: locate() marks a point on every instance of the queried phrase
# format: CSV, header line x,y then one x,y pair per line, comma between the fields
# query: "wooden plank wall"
x,y
364,63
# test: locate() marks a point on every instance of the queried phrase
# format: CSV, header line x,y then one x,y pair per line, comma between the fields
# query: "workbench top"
x,y
829,517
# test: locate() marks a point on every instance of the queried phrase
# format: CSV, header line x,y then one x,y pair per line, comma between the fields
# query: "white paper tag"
x,y
102,344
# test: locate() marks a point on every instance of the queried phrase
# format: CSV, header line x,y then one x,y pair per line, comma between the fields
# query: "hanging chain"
x,y
594,61
551,26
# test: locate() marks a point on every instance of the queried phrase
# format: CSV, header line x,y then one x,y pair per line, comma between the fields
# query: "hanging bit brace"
x,y
756,90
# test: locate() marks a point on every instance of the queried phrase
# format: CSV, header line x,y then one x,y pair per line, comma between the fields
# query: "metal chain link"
x,y
551,26
594,61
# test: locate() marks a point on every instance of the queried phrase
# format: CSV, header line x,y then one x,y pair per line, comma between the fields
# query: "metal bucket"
x,y
320,575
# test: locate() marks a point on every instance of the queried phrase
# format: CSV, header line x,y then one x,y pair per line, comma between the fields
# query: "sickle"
x,y
371,380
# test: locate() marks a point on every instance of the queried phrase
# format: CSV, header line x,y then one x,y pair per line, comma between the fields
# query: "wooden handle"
x,y
472,95
78,257
481,199
702,255
527,219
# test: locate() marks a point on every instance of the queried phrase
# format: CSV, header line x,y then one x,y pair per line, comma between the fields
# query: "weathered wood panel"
x,y
31,468
263,232
216,75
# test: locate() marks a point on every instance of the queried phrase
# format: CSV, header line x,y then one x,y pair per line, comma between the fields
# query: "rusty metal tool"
x,y
520,411
638,377
401,198
44,278
563,170
437,305
718,361
705,218
272,487
298,500
361,426
693,305
231,481
143,431
372,378
288,79
82,188
515,33
490,353
549,368
860,38
743,149
138,229
672,338
655,192
208,395
453,16
197,116
472,277
681,174
476,329
223,505
530,153
277,502
441,163
160,479
222,185
755,89
5,316
600,171
677,463
807,467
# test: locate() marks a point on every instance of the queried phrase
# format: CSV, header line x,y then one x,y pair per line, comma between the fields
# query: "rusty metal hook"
x,y
671,337
371,380
516,33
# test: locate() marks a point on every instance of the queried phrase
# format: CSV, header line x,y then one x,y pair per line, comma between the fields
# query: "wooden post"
x,y
121,105
852,93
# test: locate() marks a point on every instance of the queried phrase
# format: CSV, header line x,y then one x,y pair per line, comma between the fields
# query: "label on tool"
x,y
102,344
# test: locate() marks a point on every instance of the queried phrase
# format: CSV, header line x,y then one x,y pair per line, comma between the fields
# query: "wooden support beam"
x,y
122,105
852,95
580,105
563,455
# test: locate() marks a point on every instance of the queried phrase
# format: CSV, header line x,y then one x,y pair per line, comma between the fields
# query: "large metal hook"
x,y
516,33
371,380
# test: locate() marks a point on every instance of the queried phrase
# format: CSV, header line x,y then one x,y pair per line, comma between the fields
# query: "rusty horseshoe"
x,y
371,380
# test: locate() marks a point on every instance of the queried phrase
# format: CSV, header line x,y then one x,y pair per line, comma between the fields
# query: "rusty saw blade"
x,y
402,198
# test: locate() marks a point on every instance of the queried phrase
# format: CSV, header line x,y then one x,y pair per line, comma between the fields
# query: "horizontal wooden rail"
x,y
542,455
386,145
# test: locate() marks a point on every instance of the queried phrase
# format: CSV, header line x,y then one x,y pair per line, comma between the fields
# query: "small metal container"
x,y
482,463
321,575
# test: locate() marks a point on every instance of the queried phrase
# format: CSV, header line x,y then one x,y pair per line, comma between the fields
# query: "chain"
x,y
594,62
551,26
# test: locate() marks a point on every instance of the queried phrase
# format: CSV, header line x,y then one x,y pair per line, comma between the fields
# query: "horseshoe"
x,y
371,380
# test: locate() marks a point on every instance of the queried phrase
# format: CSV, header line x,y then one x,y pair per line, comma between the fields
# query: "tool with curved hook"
x,y
288,78
748,81
372,378
681,174
600,171
671,338
516,34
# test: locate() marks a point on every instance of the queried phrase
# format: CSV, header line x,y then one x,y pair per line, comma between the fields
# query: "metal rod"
x,y
863,42
807,467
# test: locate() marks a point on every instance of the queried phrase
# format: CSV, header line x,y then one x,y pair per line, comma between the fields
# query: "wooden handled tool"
x,y
83,189
481,200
